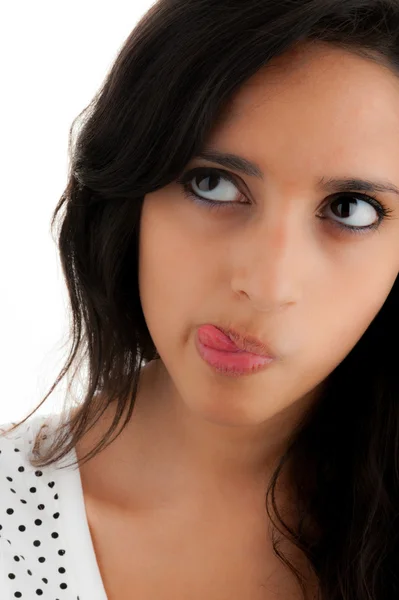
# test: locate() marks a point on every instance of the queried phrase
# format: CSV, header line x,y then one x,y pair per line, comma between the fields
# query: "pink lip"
x,y
229,357
229,339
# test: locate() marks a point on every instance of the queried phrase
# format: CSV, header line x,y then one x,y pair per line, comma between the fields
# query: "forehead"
x,y
320,103
322,69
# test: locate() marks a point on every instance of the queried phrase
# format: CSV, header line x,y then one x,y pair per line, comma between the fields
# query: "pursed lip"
x,y
247,343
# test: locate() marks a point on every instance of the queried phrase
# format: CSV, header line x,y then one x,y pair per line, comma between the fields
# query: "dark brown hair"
x,y
171,82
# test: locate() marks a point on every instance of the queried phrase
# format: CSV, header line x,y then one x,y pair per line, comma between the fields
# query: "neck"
x,y
169,456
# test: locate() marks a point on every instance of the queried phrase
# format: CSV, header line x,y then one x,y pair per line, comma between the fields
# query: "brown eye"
x,y
211,185
356,212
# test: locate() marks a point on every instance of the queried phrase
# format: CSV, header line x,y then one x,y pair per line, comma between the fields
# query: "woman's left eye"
x,y
354,215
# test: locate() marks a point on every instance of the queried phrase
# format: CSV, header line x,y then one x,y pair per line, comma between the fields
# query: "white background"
x,y
53,57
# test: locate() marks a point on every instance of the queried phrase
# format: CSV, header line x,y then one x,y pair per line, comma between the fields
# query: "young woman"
x,y
230,243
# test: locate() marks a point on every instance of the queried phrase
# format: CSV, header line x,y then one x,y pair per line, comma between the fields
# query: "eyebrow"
x,y
247,167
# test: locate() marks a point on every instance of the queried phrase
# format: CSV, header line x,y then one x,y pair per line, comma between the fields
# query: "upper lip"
x,y
247,342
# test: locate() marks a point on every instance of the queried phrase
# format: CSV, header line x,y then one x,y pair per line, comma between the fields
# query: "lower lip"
x,y
232,363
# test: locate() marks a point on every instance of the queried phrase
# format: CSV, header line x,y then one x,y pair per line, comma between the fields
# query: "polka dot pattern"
x,y
34,544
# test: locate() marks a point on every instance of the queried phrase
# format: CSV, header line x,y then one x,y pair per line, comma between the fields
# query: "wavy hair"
x,y
172,80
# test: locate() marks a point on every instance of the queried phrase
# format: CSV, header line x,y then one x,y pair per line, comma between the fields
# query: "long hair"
x,y
172,80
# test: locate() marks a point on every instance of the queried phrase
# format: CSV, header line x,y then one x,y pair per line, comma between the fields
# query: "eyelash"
x,y
185,179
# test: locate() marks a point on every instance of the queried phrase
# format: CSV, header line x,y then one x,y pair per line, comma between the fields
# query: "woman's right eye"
x,y
209,179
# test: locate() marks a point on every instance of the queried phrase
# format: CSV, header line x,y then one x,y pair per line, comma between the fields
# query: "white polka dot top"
x,y
46,550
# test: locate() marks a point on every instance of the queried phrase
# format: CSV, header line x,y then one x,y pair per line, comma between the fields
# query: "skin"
x,y
270,268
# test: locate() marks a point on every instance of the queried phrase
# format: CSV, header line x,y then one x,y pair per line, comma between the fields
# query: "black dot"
x,y
38,522
21,469
10,511
22,527
38,473
32,490
36,543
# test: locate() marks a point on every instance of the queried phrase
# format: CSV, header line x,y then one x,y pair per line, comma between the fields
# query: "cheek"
x,y
324,332
348,305
172,267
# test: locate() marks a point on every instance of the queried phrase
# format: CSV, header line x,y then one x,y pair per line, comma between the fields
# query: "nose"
x,y
272,262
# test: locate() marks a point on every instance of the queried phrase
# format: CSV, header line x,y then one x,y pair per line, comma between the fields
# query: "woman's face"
x,y
277,259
